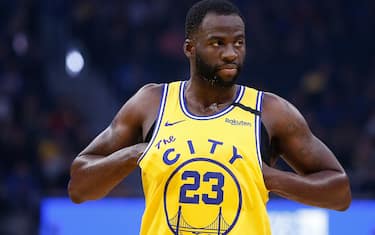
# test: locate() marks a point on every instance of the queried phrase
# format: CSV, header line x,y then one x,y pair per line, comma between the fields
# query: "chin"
x,y
226,82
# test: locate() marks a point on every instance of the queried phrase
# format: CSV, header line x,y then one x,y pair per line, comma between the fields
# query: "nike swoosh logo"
x,y
167,123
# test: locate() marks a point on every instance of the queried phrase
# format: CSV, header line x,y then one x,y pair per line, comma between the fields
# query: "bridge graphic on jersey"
x,y
179,224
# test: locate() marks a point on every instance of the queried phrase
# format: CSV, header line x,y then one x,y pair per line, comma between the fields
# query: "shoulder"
x,y
143,104
148,98
280,117
151,89
147,95
273,102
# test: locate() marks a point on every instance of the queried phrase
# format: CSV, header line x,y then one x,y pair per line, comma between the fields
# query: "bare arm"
x,y
113,154
319,180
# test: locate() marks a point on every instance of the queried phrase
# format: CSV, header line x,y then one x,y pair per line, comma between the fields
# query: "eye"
x,y
216,43
239,43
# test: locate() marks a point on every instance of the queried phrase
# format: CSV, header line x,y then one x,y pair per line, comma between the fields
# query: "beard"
x,y
209,73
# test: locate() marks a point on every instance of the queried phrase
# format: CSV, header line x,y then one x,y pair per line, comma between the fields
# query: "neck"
x,y
206,93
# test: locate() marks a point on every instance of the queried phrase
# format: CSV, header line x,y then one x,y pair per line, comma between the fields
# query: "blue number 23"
x,y
194,199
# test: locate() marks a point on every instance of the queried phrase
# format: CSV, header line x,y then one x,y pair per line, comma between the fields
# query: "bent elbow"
x,y
74,188
345,204
74,195
345,195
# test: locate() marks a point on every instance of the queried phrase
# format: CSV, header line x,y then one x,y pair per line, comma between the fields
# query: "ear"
x,y
189,48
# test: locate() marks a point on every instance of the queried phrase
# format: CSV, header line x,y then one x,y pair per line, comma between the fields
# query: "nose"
x,y
229,54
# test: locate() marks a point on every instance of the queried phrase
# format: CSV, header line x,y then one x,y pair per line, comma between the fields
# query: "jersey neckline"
x,y
185,110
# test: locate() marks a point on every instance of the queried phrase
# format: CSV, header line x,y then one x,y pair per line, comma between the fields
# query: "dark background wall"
x,y
320,55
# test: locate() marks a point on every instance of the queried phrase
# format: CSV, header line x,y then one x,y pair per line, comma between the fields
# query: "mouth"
x,y
227,71
228,67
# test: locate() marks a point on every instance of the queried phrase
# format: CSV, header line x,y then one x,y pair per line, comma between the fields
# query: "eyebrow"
x,y
220,37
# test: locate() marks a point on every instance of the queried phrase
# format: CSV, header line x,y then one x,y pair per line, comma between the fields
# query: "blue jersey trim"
x,y
258,126
185,110
163,99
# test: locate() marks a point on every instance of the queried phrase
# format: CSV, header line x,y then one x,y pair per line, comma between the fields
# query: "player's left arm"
x,y
319,179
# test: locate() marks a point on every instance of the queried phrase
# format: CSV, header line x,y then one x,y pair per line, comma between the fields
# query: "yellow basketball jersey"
x,y
202,174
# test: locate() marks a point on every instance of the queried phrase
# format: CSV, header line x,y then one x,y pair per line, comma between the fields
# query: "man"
x,y
202,169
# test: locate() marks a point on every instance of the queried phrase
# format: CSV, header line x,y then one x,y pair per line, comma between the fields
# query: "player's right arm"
x,y
113,154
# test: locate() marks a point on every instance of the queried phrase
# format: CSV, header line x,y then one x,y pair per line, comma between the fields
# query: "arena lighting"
x,y
20,43
74,62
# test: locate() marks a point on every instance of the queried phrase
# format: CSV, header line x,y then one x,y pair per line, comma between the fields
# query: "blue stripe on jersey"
x,y
258,125
158,121
185,110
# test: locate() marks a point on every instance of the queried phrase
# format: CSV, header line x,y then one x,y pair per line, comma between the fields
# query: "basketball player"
x,y
198,143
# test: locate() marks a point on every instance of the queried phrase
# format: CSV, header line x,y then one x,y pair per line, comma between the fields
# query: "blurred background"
x,y
66,67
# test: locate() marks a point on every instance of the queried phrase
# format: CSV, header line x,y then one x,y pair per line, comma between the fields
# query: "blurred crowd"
x,y
317,54
40,132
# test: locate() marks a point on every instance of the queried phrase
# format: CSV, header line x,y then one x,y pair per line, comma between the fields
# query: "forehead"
x,y
214,23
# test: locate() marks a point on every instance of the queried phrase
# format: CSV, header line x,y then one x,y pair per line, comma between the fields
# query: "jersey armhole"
x,y
265,147
258,122
151,134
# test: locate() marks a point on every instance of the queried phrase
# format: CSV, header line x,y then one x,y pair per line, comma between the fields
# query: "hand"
x,y
140,148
